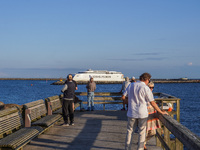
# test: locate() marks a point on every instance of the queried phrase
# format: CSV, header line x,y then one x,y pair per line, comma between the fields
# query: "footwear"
x,y
92,108
136,130
72,124
65,124
123,109
88,109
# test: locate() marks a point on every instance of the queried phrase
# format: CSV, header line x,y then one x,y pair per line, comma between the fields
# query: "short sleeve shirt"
x,y
139,94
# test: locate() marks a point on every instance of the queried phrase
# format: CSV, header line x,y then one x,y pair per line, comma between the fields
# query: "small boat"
x,y
99,75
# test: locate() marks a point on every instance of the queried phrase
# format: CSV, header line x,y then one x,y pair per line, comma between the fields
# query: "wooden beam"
x,y
183,134
107,98
99,93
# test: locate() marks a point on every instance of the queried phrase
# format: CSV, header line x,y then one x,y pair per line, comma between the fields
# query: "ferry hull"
x,y
99,77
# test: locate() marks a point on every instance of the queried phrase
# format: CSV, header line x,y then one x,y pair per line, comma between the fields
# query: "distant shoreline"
x,y
154,80
29,78
175,81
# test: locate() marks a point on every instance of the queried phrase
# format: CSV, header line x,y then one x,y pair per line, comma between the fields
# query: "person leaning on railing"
x,y
153,122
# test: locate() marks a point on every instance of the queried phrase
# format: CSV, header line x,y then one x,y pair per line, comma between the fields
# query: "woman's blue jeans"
x,y
90,99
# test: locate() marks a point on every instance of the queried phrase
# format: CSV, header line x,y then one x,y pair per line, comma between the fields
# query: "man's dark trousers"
x,y
68,111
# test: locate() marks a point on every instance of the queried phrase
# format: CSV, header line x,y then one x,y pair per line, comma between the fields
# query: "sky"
x,y
52,38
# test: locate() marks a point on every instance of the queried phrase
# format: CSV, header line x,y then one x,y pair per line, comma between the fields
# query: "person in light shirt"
x,y
125,84
139,94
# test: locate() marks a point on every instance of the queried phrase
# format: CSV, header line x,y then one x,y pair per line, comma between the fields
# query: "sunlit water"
x,y
24,91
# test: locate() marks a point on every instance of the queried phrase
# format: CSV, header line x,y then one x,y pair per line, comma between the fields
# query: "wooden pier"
x,y
94,130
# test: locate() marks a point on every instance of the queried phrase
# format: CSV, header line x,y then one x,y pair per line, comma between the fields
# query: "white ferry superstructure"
x,y
99,75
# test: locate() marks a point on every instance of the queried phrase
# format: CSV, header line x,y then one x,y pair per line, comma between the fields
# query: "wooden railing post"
x,y
27,118
178,145
189,139
178,110
158,143
49,108
166,136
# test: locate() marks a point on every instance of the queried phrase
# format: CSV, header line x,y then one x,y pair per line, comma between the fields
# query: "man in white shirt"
x,y
138,95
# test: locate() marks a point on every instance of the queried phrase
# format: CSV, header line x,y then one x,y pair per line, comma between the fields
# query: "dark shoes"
x,y
123,109
92,109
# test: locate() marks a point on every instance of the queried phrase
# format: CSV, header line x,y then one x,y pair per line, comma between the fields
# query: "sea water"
x,y
24,91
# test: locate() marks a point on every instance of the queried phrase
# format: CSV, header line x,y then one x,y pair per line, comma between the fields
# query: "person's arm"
x,y
95,86
155,106
124,95
75,85
64,88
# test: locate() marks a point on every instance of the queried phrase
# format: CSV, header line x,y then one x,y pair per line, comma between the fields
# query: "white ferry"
x,y
99,75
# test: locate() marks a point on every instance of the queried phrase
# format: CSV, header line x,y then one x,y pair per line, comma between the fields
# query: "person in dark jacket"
x,y
68,100
74,95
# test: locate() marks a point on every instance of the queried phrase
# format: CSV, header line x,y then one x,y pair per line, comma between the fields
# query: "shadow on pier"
x,y
92,130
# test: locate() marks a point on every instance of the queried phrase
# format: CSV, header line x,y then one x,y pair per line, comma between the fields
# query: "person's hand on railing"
x,y
164,113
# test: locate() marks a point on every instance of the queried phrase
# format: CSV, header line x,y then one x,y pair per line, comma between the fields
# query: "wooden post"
x,y
49,108
27,118
166,136
158,143
80,103
178,110
178,145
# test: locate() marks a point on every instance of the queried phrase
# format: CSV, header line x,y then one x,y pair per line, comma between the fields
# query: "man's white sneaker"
x,y
65,124
72,123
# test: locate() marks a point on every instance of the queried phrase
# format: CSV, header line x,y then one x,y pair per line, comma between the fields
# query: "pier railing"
x,y
172,135
103,98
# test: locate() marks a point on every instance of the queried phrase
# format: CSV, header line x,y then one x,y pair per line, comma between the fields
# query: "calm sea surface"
x,y
24,91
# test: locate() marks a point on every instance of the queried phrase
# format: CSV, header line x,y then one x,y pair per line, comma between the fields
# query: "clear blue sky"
x,y
51,38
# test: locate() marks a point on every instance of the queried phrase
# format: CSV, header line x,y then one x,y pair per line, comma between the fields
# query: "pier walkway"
x,y
92,130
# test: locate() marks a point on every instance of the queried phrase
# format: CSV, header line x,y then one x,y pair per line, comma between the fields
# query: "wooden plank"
x,y
158,133
99,94
178,111
162,141
178,144
93,130
107,98
167,100
166,136
185,136
105,102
